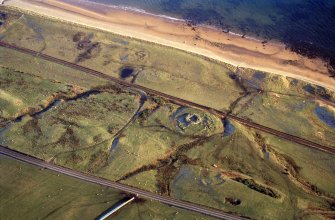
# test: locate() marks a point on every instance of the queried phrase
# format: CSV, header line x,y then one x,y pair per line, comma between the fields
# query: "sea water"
x,y
306,26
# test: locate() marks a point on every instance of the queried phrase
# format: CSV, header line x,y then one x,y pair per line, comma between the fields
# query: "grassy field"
x,y
157,211
173,72
146,141
24,63
32,193
262,97
230,168
20,93
283,180
74,131
288,105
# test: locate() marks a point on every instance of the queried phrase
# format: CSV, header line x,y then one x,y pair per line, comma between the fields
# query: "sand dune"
x,y
243,52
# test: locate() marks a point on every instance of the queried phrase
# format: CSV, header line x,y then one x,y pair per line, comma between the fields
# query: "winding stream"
x,y
40,113
132,119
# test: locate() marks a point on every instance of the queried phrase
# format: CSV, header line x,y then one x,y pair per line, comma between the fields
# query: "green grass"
x,y
157,211
38,67
315,166
240,155
179,74
144,180
166,69
293,115
43,194
158,152
78,129
32,193
21,93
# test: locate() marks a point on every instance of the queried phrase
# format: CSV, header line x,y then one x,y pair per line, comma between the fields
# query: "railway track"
x,y
176,100
123,187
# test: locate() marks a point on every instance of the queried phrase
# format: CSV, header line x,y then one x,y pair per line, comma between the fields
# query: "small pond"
x,y
326,116
126,72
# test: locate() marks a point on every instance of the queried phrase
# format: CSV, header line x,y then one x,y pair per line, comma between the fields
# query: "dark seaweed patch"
x,y
305,27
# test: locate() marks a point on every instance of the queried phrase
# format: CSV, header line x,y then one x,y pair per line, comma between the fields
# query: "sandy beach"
x,y
206,41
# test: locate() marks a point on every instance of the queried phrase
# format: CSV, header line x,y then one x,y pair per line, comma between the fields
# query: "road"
x,y
176,100
126,188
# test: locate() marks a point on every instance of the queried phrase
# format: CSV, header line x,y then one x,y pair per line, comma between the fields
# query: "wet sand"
x,y
229,48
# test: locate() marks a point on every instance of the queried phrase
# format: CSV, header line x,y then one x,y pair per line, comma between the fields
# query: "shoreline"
x,y
129,8
206,41
168,18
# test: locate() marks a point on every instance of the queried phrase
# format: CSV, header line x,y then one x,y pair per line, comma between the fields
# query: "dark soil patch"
x,y
92,51
141,55
69,139
332,205
32,125
97,161
233,201
84,42
259,188
146,113
138,171
78,37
